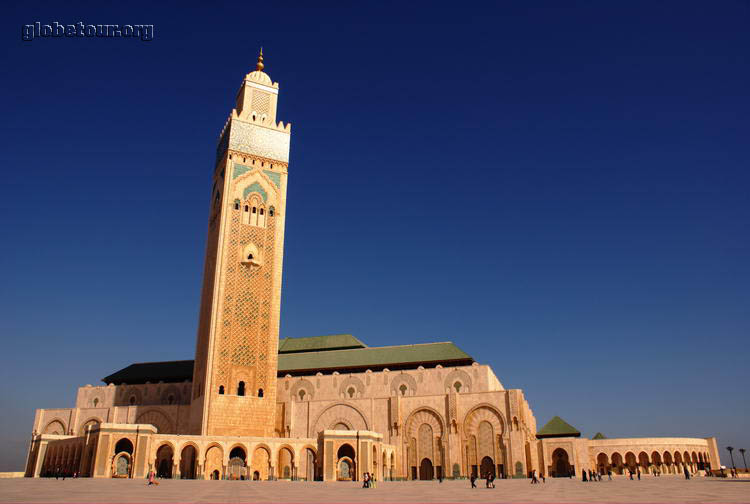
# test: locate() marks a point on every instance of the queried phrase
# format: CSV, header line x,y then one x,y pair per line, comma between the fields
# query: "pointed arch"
x,y
338,411
484,412
55,426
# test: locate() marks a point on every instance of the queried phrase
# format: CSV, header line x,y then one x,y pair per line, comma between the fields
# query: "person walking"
x,y
473,480
609,474
687,473
544,480
534,481
584,476
639,474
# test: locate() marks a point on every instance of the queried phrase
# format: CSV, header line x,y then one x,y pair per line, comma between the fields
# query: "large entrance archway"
x,y
561,463
487,467
308,465
602,463
123,458
630,461
188,462
286,463
261,463
164,461
213,465
643,462
426,470
237,468
345,463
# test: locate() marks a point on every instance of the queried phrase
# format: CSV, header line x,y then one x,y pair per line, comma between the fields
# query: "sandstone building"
x,y
329,408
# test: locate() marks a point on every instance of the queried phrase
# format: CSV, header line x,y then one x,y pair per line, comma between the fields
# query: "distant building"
x,y
327,408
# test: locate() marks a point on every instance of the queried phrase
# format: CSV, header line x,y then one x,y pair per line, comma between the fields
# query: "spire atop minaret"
x,y
259,65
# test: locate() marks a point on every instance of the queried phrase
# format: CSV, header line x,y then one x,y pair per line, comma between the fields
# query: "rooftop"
x,y
307,356
319,343
557,427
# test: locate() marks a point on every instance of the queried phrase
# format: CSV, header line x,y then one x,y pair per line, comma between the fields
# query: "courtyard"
x,y
620,490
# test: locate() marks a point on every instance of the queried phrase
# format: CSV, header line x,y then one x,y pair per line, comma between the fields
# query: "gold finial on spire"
x,y
259,65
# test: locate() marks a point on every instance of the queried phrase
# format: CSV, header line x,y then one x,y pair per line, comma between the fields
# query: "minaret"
x,y
234,376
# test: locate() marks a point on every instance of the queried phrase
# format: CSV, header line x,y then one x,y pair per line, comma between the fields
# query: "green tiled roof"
x,y
307,356
557,427
319,343
395,357
599,435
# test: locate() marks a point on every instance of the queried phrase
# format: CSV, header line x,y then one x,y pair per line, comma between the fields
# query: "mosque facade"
x,y
327,408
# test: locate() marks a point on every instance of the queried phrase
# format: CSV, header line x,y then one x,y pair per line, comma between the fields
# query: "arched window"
x,y
236,205
301,395
170,399
350,392
403,388
261,217
96,401
260,392
246,208
271,211
221,389
457,386
241,389
255,209
132,400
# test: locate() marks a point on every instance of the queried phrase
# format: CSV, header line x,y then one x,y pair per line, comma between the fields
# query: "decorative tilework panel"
x,y
255,187
239,170
274,176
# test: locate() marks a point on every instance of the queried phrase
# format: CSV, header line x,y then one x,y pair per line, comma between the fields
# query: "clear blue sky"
x,y
560,188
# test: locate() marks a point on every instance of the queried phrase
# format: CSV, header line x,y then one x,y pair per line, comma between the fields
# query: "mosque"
x,y
324,408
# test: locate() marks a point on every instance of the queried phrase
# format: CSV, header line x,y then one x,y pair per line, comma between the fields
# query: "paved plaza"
x,y
621,490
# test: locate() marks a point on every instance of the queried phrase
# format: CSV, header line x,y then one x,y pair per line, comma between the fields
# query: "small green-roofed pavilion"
x,y
599,435
557,427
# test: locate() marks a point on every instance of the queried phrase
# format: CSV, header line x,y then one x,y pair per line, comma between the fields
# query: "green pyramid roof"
x,y
599,435
557,427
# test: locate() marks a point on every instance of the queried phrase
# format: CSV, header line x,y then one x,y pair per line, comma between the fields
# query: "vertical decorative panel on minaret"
x,y
234,378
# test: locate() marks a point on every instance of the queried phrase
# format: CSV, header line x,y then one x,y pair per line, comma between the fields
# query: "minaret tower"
x,y
234,377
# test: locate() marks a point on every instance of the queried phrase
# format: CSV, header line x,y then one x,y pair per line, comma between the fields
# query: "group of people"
x,y
368,480
597,476
488,477
534,478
